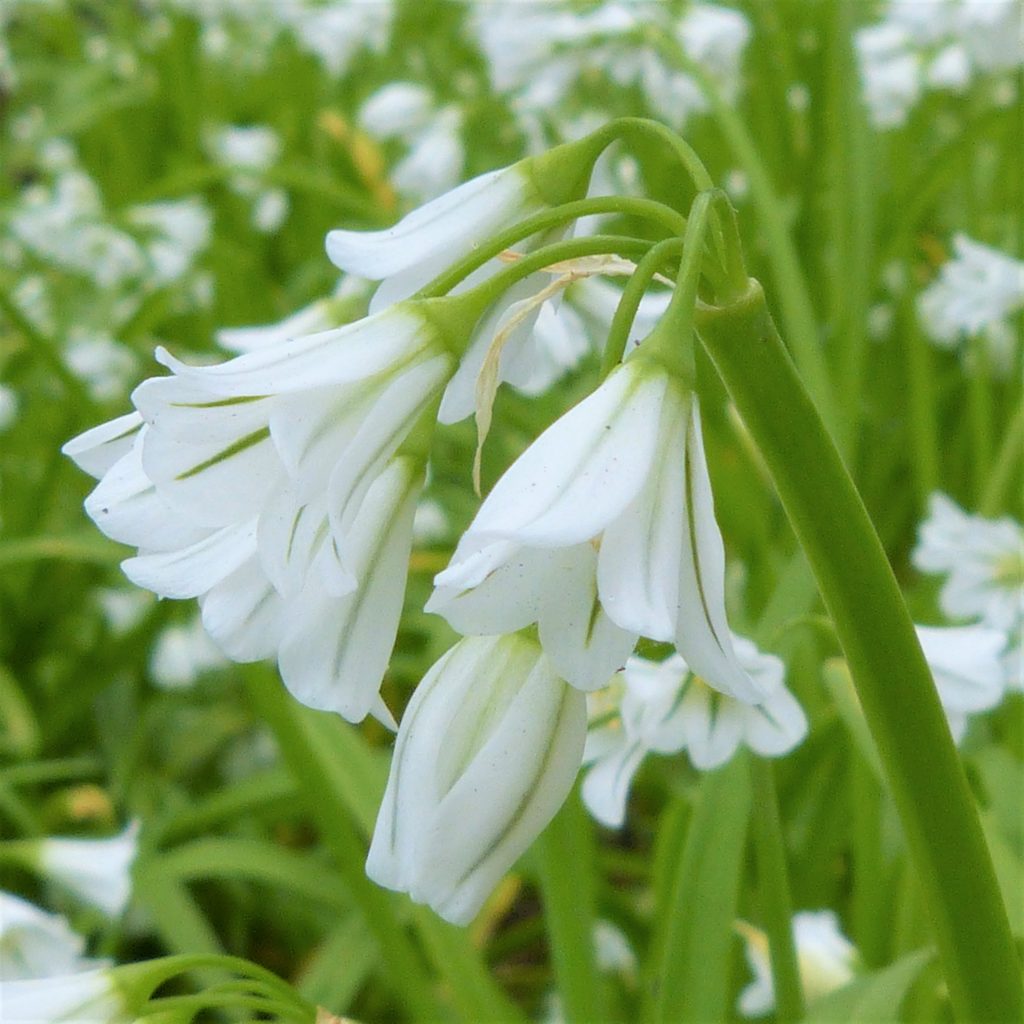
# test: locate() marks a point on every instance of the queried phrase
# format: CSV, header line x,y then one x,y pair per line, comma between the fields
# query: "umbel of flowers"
x,y
279,489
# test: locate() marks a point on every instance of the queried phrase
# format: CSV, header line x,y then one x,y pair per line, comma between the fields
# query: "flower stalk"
x,y
944,837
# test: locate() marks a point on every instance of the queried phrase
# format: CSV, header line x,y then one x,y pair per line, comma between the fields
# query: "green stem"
x,y
1007,462
632,296
924,435
565,853
625,206
798,314
979,408
930,790
773,890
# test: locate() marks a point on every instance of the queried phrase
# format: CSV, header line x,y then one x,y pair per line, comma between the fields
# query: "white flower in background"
x,y
347,301
35,944
249,151
123,608
826,960
487,752
612,950
602,531
983,560
979,289
891,73
435,155
262,486
8,407
104,365
968,670
335,33
86,997
181,654
173,234
662,707
97,871
715,37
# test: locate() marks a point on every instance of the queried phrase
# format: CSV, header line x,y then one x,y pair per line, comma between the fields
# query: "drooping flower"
x,y
487,752
97,871
35,944
966,663
246,484
602,531
983,560
826,960
664,708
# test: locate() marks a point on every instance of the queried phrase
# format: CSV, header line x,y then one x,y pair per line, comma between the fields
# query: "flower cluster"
x,y
280,488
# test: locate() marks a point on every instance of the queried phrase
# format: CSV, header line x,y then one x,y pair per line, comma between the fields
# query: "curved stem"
x,y
943,832
632,295
625,206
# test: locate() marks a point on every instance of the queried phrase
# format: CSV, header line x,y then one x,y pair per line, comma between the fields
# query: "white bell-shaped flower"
x,y
966,662
602,531
97,871
243,484
35,944
86,997
826,960
487,752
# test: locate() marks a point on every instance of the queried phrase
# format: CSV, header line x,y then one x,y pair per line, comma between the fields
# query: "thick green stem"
x,y
1007,462
895,687
773,893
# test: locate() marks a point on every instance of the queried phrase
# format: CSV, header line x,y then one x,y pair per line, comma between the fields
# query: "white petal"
x,y
336,649
353,352
244,614
183,410
418,247
583,471
605,788
507,596
639,565
714,726
289,535
126,507
191,571
584,645
214,483
702,632
777,726
96,450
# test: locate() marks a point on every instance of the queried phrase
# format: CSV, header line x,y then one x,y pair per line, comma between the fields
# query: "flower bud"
x,y
487,752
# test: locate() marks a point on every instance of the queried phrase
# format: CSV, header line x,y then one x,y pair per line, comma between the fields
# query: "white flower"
x,y
97,871
252,485
891,73
966,663
8,407
826,960
407,256
983,560
487,752
979,289
35,944
181,654
664,708
87,997
245,147
603,530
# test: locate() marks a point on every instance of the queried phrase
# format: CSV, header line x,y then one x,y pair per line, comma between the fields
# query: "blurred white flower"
x,y
97,871
182,653
968,670
891,73
983,560
249,151
603,530
102,363
826,960
86,997
491,719
978,289
431,134
664,708
8,407
35,944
